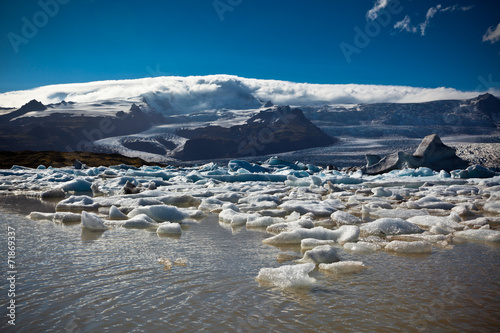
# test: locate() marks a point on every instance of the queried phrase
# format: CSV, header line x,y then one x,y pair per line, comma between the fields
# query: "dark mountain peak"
x,y
270,131
489,105
485,96
33,105
283,114
135,108
268,104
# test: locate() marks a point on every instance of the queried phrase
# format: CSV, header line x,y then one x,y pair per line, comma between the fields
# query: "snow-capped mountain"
x,y
154,118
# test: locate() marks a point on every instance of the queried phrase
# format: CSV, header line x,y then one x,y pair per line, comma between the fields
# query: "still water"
x,y
69,280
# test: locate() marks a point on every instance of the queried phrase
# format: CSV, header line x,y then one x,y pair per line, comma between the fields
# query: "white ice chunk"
x,y
211,205
231,197
480,235
66,217
361,247
390,226
492,207
343,234
344,267
41,216
93,222
381,192
409,247
431,202
311,243
418,237
232,217
180,200
320,254
77,185
77,202
438,230
169,228
438,221
264,221
232,206
139,221
318,208
116,214
342,218
398,213
287,276
160,213
289,226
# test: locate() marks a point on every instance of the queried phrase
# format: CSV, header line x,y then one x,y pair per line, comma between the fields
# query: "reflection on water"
x,y
77,281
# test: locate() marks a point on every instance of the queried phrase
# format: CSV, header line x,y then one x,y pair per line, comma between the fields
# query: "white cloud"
x,y
430,14
404,25
372,14
194,93
492,34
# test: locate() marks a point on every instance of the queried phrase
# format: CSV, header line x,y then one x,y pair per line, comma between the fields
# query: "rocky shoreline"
x,y
57,159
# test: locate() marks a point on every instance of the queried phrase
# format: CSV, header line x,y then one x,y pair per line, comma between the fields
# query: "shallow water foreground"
x,y
71,280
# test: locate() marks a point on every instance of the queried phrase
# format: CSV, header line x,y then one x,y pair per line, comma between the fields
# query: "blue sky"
x,y
416,43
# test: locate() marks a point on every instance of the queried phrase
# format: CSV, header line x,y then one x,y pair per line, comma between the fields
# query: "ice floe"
x,y
480,235
93,222
288,276
344,267
320,254
296,204
389,226
160,213
169,228
346,233
409,247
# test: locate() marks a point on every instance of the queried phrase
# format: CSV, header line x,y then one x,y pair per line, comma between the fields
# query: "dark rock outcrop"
x,y
271,131
431,153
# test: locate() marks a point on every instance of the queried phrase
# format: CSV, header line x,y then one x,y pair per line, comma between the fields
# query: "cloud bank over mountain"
x,y
196,93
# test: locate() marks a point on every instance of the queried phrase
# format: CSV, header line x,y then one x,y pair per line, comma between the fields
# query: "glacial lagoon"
x,y
71,279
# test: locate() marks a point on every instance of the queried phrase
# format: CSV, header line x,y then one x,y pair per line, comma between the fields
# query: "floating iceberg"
x,y
160,213
318,208
346,233
435,221
409,247
320,254
310,243
287,276
361,247
342,218
389,226
344,267
169,228
77,203
480,235
93,222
